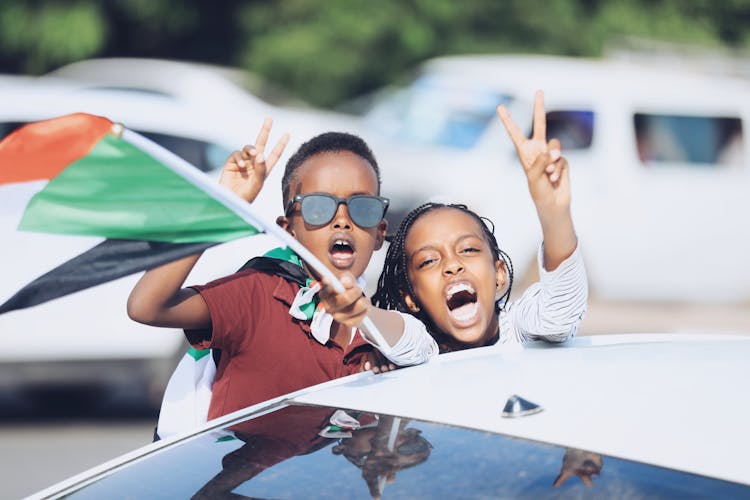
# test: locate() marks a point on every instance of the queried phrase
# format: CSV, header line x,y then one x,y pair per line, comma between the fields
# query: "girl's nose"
x,y
452,266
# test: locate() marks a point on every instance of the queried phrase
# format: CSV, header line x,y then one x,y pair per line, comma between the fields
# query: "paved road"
x,y
38,451
629,317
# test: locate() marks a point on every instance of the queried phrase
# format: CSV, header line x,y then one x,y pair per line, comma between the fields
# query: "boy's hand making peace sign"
x,y
245,171
549,183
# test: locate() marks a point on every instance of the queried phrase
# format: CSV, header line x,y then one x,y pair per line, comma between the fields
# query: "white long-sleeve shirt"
x,y
415,346
550,309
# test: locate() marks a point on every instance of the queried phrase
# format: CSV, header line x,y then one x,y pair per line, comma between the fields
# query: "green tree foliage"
x,y
329,50
38,35
326,50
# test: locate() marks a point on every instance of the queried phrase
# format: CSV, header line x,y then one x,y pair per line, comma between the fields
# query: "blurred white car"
x,y
86,339
622,416
189,81
659,164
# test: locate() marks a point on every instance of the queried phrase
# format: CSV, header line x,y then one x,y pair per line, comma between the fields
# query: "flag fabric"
x,y
100,179
186,399
96,180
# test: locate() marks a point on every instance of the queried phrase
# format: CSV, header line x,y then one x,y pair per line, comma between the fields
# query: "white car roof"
x,y
226,90
186,80
677,401
592,79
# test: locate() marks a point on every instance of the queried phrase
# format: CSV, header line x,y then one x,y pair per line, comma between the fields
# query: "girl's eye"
x,y
424,263
470,250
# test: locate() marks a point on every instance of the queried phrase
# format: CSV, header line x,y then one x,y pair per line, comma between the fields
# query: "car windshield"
x,y
309,451
436,112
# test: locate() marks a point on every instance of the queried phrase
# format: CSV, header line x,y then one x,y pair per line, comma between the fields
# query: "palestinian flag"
x,y
83,175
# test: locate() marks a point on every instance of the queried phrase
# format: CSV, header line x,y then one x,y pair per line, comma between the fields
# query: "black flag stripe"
x,y
105,262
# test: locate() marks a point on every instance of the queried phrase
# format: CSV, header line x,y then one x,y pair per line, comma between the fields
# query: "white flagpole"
x,y
242,208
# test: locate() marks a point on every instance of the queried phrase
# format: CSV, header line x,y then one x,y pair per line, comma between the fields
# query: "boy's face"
x,y
454,275
340,244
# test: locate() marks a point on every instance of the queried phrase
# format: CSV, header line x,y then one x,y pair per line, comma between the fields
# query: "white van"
x,y
659,165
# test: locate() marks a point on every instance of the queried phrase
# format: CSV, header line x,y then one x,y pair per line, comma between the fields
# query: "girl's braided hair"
x,y
394,279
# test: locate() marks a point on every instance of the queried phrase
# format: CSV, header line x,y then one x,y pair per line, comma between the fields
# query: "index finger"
x,y
510,126
540,118
562,477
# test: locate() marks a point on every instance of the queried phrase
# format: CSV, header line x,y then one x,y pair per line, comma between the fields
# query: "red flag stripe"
x,y
43,149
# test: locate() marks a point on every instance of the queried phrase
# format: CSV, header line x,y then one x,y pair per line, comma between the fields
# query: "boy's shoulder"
x,y
276,267
261,271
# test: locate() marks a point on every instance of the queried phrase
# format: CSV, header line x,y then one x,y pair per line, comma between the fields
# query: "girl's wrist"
x,y
554,217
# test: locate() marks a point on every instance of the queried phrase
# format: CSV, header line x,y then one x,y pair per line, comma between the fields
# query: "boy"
x,y
260,320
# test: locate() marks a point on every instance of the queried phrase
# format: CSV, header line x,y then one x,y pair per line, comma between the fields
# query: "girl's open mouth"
x,y
461,300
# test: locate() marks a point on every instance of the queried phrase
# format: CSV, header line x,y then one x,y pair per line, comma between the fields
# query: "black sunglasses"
x,y
320,208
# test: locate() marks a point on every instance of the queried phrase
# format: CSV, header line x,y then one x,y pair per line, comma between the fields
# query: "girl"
x,y
445,267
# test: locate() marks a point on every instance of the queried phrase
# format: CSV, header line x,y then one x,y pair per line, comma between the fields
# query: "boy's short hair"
x,y
328,142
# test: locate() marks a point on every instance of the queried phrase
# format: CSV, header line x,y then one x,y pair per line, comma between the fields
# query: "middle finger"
x,y
265,131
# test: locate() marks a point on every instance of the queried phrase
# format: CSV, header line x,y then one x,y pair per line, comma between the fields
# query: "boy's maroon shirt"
x,y
265,352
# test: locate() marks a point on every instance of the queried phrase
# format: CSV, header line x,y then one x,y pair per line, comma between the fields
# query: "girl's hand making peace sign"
x,y
546,170
549,182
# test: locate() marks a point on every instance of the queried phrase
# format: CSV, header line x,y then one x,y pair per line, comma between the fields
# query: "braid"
x,y
503,300
394,279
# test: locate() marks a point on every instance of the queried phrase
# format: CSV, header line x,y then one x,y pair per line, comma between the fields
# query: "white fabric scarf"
x,y
321,320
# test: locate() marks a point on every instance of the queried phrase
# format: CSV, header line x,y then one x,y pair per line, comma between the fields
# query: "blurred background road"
x,y
651,101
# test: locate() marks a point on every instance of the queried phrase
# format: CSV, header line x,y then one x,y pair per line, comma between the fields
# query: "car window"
x,y
308,451
574,128
695,140
204,155
435,112
8,127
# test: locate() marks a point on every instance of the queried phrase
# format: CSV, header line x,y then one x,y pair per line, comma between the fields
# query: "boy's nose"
x,y
341,220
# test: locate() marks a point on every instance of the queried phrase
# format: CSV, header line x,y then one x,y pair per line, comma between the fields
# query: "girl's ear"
x,y
283,223
411,303
380,235
501,278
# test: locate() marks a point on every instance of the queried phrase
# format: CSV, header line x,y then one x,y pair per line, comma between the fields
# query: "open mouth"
x,y
462,302
342,253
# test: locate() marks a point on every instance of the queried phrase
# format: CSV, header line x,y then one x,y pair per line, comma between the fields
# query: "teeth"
x,y
465,312
459,287
341,242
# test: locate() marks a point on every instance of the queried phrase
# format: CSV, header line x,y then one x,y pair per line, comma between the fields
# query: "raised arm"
x,y
158,298
548,181
551,309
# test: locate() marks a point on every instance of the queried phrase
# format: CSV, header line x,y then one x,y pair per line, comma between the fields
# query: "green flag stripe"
x,y
118,191
197,354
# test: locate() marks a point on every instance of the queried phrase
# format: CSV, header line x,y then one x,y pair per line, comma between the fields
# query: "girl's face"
x,y
454,275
